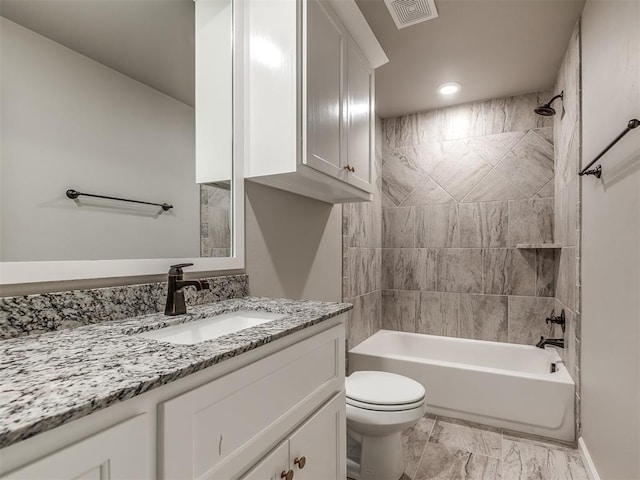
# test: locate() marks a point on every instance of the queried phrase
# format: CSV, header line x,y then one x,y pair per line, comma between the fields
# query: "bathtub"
x,y
500,384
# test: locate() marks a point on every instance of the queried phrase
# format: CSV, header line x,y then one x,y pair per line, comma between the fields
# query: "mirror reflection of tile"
x,y
215,227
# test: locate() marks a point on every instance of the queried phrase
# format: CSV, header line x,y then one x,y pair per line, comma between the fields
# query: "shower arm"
x,y
560,95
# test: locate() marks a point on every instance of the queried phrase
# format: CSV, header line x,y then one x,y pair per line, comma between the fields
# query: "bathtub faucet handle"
x,y
560,319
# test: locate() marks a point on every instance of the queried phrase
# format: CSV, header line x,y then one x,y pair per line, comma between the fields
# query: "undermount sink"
x,y
211,327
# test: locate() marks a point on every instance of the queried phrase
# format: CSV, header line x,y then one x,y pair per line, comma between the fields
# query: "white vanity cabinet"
x,y
119,452
310,91
219,429
315,451
285,397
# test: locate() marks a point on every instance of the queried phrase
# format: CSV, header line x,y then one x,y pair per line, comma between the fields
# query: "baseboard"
x,y
588,462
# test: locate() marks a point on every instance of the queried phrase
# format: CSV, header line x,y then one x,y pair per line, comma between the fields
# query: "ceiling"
x,y
151,41
493,48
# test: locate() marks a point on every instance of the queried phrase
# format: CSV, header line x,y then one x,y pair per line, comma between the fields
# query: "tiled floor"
x,y
447,449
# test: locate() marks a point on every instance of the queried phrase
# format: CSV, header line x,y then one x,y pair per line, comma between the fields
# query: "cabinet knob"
x,y
287,475
349,168
300,462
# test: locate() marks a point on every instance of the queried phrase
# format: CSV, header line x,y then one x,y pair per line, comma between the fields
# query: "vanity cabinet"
x,y
120,452
217,430
310,108
313,452
286,397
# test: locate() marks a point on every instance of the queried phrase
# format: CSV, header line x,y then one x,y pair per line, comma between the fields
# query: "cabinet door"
x,y
221,426
271,466
120,452
321,441
360,92
325,45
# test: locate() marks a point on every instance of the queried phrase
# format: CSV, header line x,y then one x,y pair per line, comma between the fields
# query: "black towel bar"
x,y
633,123
73,194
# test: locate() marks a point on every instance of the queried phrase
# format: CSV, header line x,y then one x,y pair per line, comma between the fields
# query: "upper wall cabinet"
x,y
310,98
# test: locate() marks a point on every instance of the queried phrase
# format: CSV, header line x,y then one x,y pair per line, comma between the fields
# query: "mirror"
x,y
119,152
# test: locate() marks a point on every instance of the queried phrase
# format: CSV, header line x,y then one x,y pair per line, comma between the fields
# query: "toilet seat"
x,y
383,391
385,408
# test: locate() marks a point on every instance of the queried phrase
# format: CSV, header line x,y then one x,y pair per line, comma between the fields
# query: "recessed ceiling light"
x,y
449,88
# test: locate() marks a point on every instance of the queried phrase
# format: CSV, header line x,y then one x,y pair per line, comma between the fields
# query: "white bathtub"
x,y
500,384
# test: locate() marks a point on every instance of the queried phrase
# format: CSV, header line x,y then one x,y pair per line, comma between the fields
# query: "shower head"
x,y
547,110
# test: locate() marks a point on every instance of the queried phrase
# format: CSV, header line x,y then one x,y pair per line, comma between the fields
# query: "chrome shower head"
x,y
547,110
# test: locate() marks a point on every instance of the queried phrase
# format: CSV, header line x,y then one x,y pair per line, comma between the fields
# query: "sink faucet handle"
x,y
177,269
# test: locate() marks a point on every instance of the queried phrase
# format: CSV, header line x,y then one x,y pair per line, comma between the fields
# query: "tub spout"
x,y
555,342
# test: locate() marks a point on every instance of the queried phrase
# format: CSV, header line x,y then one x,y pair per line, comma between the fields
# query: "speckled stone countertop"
x,y
50,379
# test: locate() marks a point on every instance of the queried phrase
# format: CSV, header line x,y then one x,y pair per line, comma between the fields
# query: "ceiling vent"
x,y
409,12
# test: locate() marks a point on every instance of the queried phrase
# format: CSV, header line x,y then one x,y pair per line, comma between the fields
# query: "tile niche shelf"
x,y
538,245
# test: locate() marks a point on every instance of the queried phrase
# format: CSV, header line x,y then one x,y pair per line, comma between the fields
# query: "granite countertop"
x,y
51,379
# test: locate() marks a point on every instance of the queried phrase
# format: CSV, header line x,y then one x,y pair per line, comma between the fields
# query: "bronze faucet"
x,y
175,294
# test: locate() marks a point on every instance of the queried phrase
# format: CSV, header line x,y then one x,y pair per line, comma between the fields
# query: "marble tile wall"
x,y
461,188
40,313
567,135
362,259
215,218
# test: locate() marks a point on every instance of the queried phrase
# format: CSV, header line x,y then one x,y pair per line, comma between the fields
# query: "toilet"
x,y
380,405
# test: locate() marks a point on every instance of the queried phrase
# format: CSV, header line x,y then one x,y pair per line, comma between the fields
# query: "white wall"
x,y
294,245
68,121
611,239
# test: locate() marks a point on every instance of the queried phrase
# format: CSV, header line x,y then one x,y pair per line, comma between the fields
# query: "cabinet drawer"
x,y
119,453
214,423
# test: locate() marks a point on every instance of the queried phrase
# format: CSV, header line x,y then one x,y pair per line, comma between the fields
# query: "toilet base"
x,y
382,458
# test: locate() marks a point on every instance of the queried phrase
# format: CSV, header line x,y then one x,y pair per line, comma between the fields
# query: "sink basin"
x,y
210,327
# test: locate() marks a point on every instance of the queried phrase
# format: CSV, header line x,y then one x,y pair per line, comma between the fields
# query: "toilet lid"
x,y
385,408
383,388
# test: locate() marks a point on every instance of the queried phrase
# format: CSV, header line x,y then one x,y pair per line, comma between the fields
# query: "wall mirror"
x,y
132,100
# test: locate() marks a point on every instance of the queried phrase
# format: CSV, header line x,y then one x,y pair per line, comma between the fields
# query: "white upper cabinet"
x,y
360,117
310,110
326,40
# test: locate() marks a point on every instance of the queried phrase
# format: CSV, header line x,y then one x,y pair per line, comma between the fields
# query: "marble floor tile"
x,y
461,436
413,441
442,463
531,461
452,453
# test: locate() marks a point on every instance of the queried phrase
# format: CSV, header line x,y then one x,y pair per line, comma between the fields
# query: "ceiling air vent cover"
x,y
409,12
